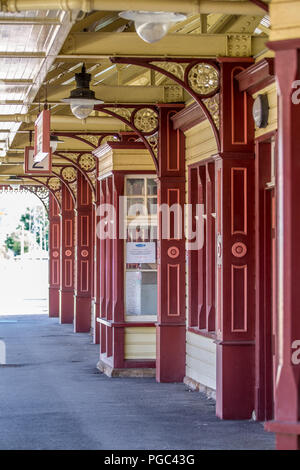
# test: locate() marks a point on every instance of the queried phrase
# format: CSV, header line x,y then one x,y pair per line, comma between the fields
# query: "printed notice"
x,y
140,252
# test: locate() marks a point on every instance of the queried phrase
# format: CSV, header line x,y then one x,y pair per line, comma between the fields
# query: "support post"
x,y
54,257
84,256
170,331
235,256
97,263
118,276
66,313
286,422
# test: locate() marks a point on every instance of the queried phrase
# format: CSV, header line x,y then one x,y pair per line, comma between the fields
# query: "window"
x,y
141,247
201,261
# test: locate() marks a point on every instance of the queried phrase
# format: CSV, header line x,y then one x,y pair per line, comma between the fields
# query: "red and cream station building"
x,y
211,126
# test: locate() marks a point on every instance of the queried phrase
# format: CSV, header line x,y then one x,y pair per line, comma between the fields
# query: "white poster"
x,y
140,252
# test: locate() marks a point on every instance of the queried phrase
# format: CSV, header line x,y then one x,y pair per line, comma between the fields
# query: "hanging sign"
x,y
31,167
42,147
140,252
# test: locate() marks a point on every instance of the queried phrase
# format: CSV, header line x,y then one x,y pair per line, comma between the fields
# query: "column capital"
x,y
285,19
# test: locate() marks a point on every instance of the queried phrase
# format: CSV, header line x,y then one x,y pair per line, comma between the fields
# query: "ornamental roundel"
x,y
87,162
146,120
239,249
54,184
203,78
84,253
55,254
69,174
173,252
68,252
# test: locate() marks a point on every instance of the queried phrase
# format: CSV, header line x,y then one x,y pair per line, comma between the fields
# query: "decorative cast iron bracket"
x,y
93,139
142,119
82,161
50,183
198,77
40,192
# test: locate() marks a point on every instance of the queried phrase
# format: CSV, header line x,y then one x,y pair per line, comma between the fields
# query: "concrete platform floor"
x,y
53,397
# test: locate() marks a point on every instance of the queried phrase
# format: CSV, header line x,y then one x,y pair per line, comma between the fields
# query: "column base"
x,y
53,302
170,353
235,380
82,314
287,434
110,371
66,311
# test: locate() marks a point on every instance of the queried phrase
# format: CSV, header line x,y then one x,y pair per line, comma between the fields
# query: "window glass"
x,y
135,187
141,247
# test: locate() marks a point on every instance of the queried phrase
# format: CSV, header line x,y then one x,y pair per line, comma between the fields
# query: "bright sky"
x,y
12,206
31,276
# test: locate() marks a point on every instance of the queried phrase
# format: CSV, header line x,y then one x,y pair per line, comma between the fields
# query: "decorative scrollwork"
x,y
172,67
87,162
203,78
69,174
40,191
93,178
146,120
213,106
54,184
71,156
153,141
124,113
93,139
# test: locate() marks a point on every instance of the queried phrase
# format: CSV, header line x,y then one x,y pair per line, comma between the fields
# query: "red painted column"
x,y
97,261
286,422
67,257
102,267
84,256
170,332
235,255
117,276
54,256
108,274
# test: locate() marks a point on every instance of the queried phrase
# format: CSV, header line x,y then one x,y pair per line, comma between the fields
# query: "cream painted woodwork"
x,y
123,159
200,350
140,343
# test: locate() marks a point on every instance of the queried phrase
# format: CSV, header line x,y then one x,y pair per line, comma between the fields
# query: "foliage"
x,y
13,243
35,227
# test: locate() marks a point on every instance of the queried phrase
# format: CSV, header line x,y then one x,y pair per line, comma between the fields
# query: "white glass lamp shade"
x,y
81,111
152,26
151,32
82,107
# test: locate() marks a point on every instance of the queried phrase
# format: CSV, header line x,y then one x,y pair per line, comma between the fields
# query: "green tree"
x,y
13,243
